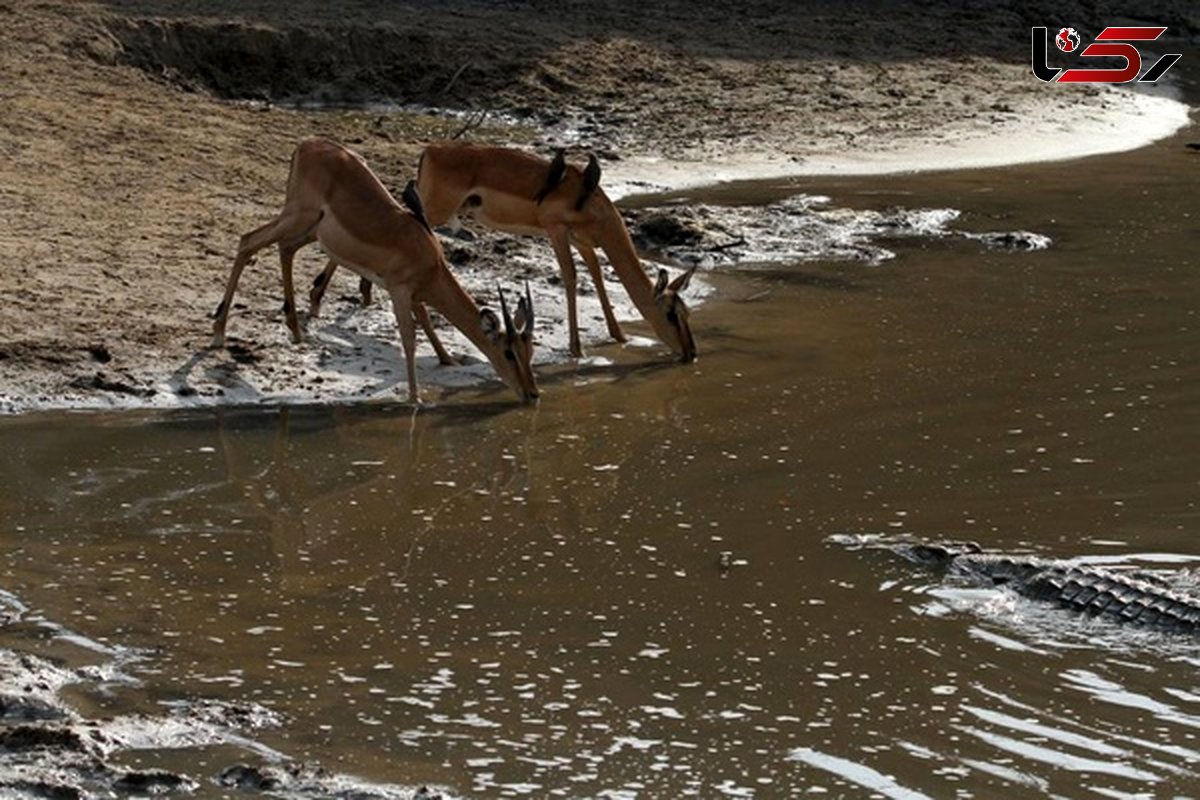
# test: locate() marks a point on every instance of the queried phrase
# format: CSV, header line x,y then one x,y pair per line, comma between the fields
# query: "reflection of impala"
x,y
518,192
334,198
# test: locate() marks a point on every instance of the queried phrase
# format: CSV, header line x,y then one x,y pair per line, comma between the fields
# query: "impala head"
x,y
672,325
512,340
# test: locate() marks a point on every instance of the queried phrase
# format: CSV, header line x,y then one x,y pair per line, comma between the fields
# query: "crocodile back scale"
x,y
1084,589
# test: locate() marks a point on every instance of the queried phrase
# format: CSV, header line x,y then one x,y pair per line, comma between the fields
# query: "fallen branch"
x,y
457,74
473,122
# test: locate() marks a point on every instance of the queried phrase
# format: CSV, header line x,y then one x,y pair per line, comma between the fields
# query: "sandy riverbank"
x,y
1116,121
129,175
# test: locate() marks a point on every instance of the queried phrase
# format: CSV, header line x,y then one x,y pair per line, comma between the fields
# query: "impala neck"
x,y
614,240
446,294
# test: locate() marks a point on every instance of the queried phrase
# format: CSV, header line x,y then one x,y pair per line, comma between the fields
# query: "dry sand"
x,y
140,139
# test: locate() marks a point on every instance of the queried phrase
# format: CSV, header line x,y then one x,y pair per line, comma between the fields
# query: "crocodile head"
x,y
938,556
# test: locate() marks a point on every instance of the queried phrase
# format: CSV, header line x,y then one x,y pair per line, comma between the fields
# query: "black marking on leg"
x,y
287,306
319,281
220,310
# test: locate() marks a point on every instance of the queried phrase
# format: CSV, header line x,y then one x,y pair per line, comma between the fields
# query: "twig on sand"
x,y
473,122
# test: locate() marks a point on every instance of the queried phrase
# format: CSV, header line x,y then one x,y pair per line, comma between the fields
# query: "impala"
x,y
518,192
334,198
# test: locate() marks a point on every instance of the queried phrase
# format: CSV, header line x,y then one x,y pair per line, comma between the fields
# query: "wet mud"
x,y
798,229
75,721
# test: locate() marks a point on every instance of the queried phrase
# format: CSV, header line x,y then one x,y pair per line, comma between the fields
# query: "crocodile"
x,y
1089,590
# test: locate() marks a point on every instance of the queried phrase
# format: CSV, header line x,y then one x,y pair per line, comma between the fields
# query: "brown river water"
x,y
629,591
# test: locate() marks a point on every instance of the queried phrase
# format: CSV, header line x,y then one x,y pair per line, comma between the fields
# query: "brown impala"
x,y
518,192
334,198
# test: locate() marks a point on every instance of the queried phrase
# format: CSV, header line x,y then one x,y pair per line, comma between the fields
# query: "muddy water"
x,y
629,591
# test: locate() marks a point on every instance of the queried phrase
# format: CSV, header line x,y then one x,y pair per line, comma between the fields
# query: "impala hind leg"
x,y
593,265
560,240
422,314
248,245
286,225
403,308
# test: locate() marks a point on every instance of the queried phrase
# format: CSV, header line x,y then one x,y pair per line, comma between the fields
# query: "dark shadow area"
x,y
474,52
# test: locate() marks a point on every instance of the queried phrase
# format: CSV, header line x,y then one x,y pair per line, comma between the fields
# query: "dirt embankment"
x,y
126,174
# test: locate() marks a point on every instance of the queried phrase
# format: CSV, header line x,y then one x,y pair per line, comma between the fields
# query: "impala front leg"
x,y
560,240
402,307
320,284
593,265
444,358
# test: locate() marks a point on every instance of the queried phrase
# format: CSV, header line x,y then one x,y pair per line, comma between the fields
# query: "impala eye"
x,y
510,355
673,317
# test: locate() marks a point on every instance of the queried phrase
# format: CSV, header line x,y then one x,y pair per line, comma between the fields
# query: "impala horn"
x,y
526,305
510,330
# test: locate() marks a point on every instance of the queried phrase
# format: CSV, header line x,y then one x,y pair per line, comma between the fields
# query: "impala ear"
x,y
681,283
490,324
661,285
